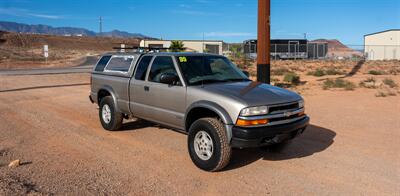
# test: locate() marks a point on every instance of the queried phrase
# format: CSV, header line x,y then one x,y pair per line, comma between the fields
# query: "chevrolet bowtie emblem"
x,y
287,114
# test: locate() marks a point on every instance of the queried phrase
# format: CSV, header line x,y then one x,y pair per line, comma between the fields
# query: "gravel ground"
x,y
47,121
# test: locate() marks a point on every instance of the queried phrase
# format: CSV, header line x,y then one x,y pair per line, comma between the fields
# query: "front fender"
x,y
222,113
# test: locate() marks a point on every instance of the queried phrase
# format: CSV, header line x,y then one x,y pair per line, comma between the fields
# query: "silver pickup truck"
x,y
205,96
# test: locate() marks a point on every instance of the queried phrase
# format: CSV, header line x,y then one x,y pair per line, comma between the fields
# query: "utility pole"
x,y
100,26
264,42
203,42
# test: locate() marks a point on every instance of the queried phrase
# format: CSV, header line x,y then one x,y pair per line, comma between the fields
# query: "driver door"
x,y
168,102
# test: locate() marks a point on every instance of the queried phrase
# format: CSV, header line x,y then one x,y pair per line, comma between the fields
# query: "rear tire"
x,y
208,144
110,119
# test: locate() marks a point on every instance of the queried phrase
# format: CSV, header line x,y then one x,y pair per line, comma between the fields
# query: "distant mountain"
x,y
67,31
123,34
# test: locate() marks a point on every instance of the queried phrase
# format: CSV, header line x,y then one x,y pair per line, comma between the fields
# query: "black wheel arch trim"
x,y
110,90
222,113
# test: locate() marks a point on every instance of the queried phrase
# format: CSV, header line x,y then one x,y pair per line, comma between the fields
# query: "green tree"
x,y
236,51
177,46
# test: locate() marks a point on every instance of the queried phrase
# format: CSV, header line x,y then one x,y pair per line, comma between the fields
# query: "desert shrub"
x,y
241,66
376,72
383,94
368,83
390,82
318,73
291,78
380,94
280,71
394,71
275,79
333,71
338,83
252,73
371,79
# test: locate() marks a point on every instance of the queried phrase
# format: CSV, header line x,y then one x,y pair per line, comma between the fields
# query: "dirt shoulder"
x,y
351,147
25,51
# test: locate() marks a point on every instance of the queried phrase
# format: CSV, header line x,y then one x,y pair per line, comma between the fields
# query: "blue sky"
x,y
228,20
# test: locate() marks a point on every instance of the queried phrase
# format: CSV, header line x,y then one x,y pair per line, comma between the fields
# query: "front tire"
x,y
208,144
110,119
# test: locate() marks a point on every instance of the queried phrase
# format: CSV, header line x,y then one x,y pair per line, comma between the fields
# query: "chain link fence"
x,y
318,51
22,55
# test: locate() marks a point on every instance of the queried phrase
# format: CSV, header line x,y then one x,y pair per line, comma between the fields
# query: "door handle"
x,y
146,88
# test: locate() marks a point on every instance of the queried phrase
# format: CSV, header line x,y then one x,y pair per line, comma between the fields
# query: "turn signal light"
x,y
301,113
242,123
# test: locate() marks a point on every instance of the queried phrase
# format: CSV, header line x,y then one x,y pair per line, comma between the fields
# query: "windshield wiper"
x,y
206,81
237,79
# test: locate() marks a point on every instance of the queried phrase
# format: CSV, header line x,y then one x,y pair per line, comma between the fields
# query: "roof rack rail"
x,y
142,49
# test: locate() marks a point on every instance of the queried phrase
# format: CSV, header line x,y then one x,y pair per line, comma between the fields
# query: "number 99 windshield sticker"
x,y
182,59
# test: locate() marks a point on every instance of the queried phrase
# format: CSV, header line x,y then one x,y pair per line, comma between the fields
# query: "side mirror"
x,y
246,73
169,78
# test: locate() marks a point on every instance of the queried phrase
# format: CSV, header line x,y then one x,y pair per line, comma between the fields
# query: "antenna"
x,y
100,25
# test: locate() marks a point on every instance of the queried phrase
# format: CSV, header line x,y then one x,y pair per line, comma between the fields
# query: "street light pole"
x,y
264,42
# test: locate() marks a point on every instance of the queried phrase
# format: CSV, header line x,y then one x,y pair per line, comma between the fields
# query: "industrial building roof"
x,y
382,32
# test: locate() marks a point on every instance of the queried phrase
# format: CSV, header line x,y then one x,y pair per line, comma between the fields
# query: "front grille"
x,y
283,118
283,107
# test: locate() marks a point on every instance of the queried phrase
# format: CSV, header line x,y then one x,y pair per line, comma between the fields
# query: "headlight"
x,y
254,111
301,103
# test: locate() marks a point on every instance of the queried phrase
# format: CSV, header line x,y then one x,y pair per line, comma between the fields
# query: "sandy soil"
x,y
24,51
352,147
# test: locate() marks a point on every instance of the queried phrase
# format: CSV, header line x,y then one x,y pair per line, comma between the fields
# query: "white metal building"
x,y
383,45
209,46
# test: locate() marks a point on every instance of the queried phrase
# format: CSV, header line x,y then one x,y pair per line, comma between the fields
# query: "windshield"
x,y
209,69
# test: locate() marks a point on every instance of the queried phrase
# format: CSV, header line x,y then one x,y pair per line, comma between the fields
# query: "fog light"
x,y
243,123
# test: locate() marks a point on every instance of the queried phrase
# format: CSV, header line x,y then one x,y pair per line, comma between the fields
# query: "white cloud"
x,y
195,13
26,13
45,16
228,34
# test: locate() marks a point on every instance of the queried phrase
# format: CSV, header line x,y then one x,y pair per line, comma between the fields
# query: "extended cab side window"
x,y
102,63
141,69
120,63
161,65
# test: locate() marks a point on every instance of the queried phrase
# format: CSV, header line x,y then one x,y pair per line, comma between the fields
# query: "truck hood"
x,y
253,93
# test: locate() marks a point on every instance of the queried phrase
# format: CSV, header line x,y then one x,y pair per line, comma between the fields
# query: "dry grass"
x,y
291,78
368,83
389,82
385,94
338,83
376,72
319,72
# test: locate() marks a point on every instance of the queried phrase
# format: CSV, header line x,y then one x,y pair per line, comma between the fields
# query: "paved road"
x,y
84,67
